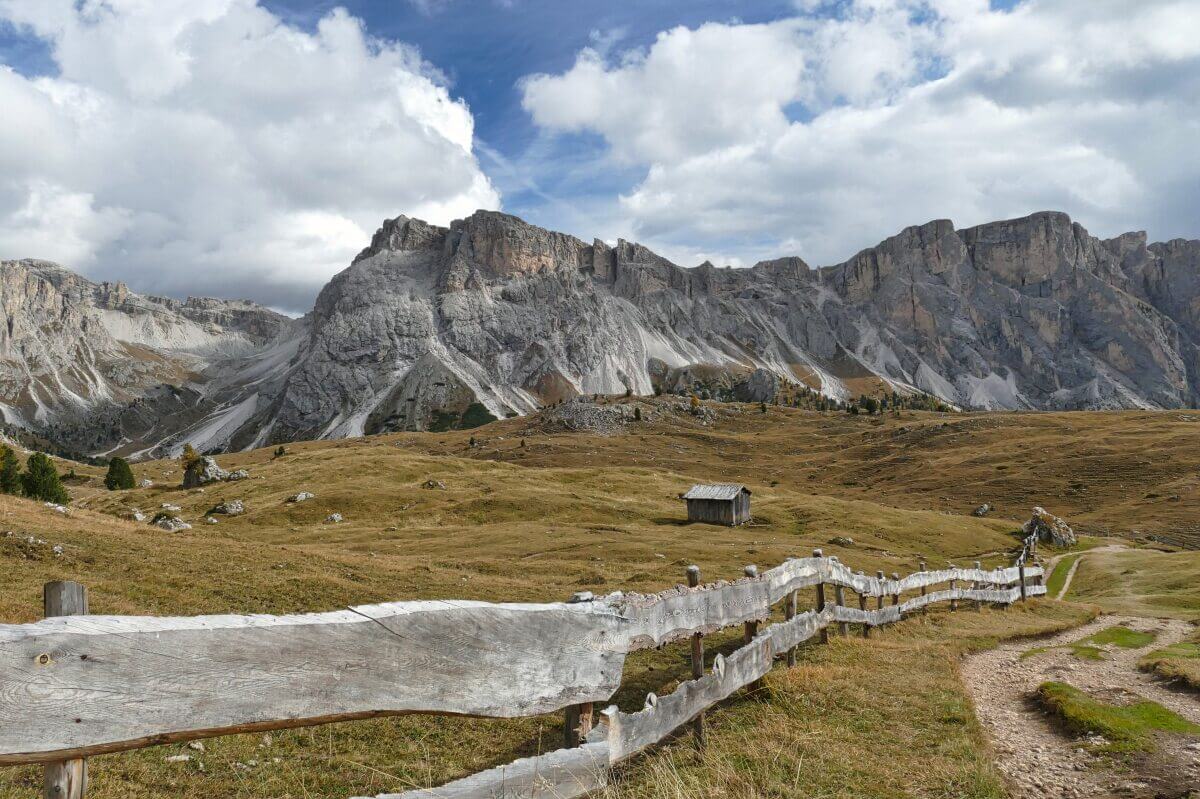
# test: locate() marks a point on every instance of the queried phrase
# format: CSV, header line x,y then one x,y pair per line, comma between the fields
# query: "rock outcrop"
x,y
1049,529
433,327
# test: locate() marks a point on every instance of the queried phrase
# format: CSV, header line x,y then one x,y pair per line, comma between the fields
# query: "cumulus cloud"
x,y
204,146
842,125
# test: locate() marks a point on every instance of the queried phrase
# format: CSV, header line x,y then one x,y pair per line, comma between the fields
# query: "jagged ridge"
x,y
492,316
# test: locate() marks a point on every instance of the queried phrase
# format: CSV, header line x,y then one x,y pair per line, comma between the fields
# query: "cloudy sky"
x,y
249,148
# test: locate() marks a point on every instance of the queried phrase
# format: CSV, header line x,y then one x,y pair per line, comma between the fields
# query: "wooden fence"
x,y
72,686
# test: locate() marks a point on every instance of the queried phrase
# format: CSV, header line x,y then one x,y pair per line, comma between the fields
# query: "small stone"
x,y
210,520
434,484
230,507
177,758
982,510
146,483
167,506
197,746
303,496
240,474
841,541
333,518
56,507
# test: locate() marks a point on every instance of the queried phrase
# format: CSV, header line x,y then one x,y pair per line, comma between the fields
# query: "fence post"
x,y
879,601
66,779
862,605
921,568
975,584
693,578
751,628
821,598
789,612
839,597
1021,572
577,719
953,601
896,596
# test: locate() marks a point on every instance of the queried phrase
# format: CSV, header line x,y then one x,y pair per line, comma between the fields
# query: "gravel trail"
x,y
1040,761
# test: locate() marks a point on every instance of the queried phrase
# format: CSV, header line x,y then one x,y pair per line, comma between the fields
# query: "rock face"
x,y
1049,528
432,328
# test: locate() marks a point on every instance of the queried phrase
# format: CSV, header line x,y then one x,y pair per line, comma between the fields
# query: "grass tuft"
x,y
1059,576
1126,728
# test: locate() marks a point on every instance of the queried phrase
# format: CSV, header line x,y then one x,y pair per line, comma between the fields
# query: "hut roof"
x,y
716,491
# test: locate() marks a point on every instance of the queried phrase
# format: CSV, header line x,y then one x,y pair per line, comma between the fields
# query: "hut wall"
x,y
713,511
741,508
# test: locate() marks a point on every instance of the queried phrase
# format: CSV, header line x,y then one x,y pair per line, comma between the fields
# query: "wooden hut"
x,y
721,503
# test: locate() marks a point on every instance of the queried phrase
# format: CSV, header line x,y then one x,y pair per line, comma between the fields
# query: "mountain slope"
x,y
435,327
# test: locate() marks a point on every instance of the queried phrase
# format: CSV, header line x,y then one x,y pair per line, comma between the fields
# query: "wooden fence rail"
x,y
74,686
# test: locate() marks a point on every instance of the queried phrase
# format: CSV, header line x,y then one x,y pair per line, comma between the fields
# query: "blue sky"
x,y
250,147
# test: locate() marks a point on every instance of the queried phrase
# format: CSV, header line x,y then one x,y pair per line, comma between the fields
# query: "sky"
x,y
249,148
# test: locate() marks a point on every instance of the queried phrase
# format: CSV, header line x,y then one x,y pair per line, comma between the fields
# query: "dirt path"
x,y
1038,760
1050,564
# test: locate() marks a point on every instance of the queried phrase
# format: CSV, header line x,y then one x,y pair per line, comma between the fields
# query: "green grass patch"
x,y
1058,577
1086,651
1122,636
1034,652
1127,728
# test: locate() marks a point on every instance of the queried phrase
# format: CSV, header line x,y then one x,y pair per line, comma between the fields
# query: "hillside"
x,y
495,531
1132,474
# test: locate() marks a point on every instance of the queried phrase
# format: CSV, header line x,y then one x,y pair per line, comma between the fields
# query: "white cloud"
x,y
204,146
835,130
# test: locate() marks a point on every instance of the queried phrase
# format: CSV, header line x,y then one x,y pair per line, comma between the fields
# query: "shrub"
x,y
41,480
119,476
188,456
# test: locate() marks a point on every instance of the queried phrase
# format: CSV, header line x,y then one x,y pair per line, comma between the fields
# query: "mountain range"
x,y
433,327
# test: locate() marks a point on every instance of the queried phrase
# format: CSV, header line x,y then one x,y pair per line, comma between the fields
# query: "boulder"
x,y
240,474
202,471
170,523
230,507
303,496
434,484
1049,529
841,541
146,483
982,510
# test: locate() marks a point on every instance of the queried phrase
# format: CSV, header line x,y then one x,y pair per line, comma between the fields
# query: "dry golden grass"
x,y
570,512
1128,473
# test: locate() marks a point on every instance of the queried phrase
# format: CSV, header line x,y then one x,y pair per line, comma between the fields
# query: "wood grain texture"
x,y
76,686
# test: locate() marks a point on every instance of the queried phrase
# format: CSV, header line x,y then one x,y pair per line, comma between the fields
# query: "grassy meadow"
x,y
526,514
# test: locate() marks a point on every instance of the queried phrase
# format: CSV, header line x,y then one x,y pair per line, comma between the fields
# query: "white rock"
x,y
303,496
333,518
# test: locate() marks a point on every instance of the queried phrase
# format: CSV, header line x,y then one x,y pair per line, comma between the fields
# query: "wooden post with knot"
x,y
66,779
693,579
921,568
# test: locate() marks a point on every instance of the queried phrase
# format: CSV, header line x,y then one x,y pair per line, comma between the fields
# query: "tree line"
x,y
40,479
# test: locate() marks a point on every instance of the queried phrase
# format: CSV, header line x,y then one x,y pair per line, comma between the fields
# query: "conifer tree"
x,y
10,471
41,480
119,476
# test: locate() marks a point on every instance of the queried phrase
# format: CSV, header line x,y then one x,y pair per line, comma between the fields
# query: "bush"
x,y
10,471
120,476
41,480
188,456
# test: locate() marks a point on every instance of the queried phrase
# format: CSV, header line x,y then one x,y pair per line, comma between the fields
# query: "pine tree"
x,y
10,471
41,480
119,476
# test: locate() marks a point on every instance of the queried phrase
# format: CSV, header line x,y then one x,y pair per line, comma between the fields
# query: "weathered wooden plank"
x,y
76,686
682,611
561,774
